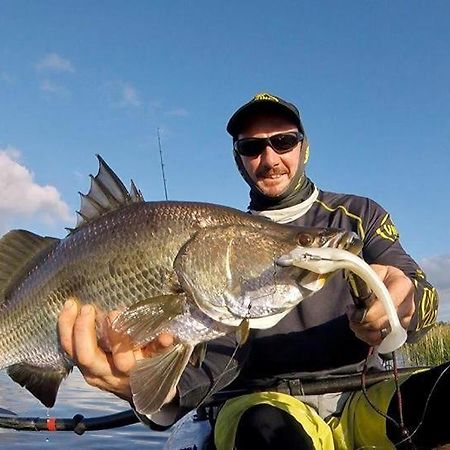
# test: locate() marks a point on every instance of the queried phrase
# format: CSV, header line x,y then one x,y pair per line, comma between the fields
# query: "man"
x,y
325,337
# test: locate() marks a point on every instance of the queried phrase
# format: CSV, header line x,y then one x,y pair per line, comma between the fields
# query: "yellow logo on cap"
x,y
264,96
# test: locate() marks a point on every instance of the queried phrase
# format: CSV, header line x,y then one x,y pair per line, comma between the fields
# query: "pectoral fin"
x,y
142,321
42,383
153,378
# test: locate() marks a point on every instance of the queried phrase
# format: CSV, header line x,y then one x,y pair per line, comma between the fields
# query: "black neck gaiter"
x,y
295,194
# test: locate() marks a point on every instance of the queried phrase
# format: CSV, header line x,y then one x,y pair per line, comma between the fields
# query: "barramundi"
x,y
196,270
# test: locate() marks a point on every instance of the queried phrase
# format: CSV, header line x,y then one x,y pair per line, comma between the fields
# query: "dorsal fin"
x,y
107,193
135,193
17,249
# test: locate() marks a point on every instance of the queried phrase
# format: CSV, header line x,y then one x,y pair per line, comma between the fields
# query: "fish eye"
x,y
305,239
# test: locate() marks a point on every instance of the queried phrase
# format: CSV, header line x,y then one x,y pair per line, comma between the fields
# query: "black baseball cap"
x,y
263,102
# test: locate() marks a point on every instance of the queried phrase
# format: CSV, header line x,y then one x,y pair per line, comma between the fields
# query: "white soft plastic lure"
x,y
325,260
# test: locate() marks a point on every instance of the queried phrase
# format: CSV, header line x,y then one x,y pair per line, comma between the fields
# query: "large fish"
x,y
196,270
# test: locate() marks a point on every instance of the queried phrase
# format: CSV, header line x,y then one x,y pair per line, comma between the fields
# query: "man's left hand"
x,y
375,323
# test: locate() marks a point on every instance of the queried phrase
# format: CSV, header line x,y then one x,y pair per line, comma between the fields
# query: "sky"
x,y
371,79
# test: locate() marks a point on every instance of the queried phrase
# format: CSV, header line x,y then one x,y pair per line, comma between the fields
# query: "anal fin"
x,y
154,378
42,383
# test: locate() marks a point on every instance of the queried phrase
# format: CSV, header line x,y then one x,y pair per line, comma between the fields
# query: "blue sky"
x,y
371,79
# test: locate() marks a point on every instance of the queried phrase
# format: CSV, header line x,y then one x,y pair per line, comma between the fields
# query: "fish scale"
x,y
195,270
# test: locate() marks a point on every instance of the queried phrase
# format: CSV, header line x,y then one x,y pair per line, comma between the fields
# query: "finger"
x,y
121,347
66,321
370,315
370,327
165,340
87,353
161,342
372,337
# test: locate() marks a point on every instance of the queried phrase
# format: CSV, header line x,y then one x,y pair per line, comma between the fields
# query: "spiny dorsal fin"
x,y
135,193
107,193
17,249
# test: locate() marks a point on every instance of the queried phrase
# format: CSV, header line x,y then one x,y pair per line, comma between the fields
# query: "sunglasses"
x,y
280,143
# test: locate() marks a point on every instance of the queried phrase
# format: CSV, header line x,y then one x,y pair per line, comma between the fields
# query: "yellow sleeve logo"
x,y
387,229
428,307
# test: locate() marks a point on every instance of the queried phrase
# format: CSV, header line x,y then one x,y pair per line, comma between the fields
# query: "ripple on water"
x,y
75,397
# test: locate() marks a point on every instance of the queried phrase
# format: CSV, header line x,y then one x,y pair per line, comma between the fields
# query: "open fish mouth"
x,y
349,241
312,281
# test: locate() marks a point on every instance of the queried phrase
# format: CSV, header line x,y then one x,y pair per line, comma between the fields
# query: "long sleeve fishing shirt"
x,y
314,341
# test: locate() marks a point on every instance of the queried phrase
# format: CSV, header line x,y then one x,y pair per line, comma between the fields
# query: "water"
x,y
74,397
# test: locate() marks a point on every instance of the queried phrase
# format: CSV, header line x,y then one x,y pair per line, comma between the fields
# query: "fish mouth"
x,y
311,276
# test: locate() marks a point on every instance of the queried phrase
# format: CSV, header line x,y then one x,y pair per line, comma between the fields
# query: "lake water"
x,y
74,397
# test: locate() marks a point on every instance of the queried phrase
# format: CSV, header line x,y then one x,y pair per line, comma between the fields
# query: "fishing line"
x,y
224,371
401,425
426,405
216,382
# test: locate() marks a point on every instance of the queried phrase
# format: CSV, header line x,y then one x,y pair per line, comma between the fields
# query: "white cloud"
x,y
23,197
128,95
52,62
123,95
177,112
437,269
53,88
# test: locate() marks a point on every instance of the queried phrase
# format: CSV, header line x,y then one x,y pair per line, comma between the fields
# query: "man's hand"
x,y
108,371
375,322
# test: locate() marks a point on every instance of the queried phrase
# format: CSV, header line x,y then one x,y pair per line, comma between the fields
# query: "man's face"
x,y
270,171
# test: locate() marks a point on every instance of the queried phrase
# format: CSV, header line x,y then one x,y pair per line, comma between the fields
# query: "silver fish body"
x,y
196,270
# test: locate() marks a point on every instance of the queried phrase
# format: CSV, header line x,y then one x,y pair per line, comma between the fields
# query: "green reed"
x,y
431,350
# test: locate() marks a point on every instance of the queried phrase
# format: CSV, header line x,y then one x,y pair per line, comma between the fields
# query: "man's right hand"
x,y
108,371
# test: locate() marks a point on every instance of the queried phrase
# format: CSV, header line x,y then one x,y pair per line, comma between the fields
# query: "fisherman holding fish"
x,y
324,337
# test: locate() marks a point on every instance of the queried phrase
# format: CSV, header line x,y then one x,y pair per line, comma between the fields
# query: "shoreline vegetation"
x,y
431,350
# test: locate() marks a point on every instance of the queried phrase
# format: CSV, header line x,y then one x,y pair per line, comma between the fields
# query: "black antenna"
x,y
162,164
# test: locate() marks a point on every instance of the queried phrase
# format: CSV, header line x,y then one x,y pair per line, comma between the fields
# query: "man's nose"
x,y
269,156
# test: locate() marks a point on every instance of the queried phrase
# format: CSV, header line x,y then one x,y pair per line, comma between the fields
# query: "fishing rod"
x,y
79,424
162,164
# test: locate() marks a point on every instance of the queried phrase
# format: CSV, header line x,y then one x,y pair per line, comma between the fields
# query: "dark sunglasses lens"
x,y
281,143
284,142
250,147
